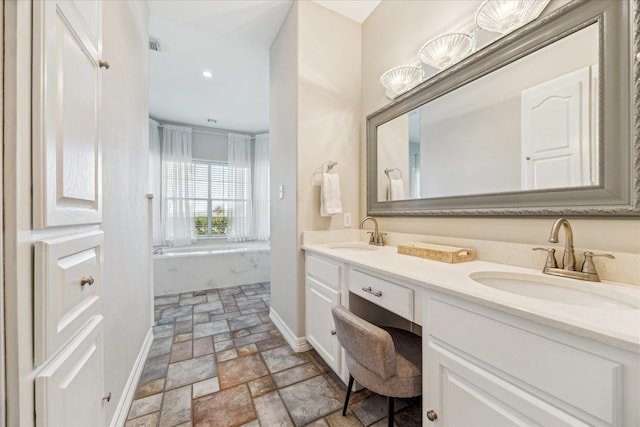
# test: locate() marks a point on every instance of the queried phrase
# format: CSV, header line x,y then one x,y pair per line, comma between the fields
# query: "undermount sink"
x,y
567,291
354,246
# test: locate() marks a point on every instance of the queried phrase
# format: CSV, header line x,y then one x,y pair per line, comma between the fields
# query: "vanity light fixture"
x,y
400,79
504,16
445,50
207,74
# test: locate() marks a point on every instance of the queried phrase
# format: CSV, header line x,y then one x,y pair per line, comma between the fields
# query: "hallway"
x,y
217,360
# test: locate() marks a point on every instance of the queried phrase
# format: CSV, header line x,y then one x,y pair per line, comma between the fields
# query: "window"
x,y
215,190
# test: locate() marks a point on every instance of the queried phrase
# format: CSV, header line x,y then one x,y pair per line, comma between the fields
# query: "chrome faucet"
x,y
568,269
376,237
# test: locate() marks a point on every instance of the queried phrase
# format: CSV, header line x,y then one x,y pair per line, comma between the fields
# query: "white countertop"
x,y
616,327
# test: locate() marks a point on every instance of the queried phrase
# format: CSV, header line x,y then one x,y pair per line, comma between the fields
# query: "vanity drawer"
x,y
325,270
67,289
389,295
562,374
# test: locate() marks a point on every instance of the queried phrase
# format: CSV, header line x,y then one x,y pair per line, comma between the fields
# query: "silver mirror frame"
x,y
619,127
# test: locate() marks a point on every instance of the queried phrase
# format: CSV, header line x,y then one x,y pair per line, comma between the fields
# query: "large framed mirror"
x,y
541,122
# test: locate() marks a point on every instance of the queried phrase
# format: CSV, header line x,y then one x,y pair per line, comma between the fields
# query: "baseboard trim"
x,y
297,344
120,416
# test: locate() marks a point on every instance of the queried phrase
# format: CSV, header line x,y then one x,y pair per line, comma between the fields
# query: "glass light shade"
x,y
443,51
504,16
401,79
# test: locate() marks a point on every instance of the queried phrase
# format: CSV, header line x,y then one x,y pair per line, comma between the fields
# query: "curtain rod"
x,y
213,133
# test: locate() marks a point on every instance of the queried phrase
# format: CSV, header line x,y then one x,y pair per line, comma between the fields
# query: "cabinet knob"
x,y
432,415
103,64
107,397
87,281
333,332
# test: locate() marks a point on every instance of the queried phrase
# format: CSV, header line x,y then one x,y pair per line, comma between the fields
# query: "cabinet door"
x,y
463,394
66,112
69,390
319,321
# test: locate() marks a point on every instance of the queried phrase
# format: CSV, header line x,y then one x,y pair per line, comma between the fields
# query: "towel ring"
x,y
389,171
329,164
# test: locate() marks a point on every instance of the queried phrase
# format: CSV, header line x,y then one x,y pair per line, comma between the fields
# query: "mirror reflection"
x,y
530,125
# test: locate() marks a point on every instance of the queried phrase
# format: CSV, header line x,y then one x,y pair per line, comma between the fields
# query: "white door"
x,y
67,90
320,329
556,140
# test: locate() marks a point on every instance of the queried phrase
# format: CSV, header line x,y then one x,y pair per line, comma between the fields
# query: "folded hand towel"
x,y
330,203
396,189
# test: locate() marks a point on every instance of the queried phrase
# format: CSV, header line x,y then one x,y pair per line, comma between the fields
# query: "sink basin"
x,y
567,291
354,246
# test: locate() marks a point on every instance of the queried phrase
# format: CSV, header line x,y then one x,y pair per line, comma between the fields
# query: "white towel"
x,y
396,189
330,203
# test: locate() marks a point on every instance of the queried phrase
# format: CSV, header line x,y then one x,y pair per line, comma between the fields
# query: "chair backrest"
x,y
365,342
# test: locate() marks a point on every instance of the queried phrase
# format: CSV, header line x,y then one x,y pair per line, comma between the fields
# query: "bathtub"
x,y
208,266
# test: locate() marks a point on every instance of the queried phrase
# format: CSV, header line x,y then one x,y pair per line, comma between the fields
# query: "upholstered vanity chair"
x,y
386,361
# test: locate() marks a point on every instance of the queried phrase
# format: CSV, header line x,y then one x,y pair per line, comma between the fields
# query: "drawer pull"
x,y
333,332
103,64
432,415
107,397
87,281
369,291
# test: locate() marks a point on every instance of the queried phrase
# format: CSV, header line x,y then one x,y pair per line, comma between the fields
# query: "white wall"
x,y
127,288
392,35
283,127
315,112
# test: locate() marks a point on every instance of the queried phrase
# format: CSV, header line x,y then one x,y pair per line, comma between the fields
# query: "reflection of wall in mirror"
x,y
471,136
393,152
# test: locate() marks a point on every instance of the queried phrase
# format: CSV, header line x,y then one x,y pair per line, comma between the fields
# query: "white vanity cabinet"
x,y
323,291
482,367
486,362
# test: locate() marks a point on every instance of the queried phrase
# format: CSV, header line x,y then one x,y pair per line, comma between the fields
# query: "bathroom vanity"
x,y
490,357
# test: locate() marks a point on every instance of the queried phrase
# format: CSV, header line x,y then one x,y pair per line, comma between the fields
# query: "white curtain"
x,y
177,214
261,187
155,179
239,188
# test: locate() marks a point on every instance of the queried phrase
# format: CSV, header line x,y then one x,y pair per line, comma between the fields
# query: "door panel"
x,y
69,390
67,96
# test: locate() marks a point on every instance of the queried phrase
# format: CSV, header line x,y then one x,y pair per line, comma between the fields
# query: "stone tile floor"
x,y
217,360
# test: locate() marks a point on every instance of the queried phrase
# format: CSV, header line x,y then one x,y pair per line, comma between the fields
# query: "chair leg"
x,y
390,404
346,399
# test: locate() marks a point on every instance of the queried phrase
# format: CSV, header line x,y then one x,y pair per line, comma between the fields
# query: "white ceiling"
x,y
231,39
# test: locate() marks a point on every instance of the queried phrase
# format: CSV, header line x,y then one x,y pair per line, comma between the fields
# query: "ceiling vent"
x,y
154,45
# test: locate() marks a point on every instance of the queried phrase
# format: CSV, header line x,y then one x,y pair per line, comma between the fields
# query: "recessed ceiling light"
x,y
207,74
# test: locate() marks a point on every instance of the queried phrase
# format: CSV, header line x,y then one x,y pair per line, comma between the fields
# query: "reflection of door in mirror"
x,y
556,132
